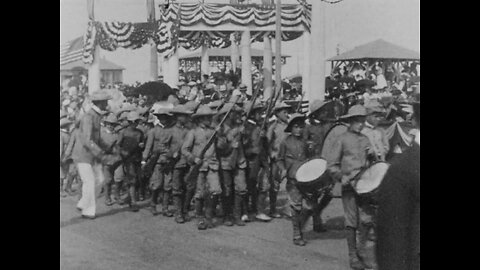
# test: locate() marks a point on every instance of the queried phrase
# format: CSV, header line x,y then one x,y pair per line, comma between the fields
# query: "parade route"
x,y
119,239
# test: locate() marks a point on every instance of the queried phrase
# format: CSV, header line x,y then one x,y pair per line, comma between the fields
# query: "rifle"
x,y
270,107
254,98
196,168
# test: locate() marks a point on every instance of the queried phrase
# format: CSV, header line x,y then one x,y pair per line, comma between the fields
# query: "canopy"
x,y
378,49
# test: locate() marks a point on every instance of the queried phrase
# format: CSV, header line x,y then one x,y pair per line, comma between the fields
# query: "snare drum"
x,y
368,181
312,177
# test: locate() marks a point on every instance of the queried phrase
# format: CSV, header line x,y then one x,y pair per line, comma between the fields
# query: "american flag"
x,y
71,51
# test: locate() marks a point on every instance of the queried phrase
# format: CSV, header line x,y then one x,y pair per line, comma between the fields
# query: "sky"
x,y
349,23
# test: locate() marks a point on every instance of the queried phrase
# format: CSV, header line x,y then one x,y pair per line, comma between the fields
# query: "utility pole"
x,y
278,46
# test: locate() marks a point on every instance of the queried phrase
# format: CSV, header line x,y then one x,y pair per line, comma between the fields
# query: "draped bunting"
x,y
171,31
396,129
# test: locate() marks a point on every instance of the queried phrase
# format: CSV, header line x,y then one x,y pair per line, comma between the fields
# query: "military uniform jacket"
x,y
252,142
195,141
109,142
158,142
275,136
293,151
315,133
128,143
179,133
87,146
348,155
230,148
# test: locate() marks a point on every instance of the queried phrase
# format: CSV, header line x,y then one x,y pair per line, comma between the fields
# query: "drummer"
x,y
346,160
377,137
293,151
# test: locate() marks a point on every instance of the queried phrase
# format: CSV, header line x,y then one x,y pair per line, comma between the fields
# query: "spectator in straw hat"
x,y
88,152
346,159
207,183
275,135
130,143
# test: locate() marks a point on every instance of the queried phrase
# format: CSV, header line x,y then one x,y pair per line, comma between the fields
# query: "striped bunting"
x,y
71,51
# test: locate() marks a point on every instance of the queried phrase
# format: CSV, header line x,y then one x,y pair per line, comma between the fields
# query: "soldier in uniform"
x,y
257,180
207,182
314,134
233,165
87,153
179,187
144,126
347,158
109,139
275,135
130,143
156,150
377,137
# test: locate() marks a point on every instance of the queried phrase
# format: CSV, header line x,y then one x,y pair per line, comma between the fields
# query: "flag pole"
x,y
278,46
94,68
153,48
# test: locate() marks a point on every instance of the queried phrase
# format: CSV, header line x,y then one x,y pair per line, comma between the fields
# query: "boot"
x,y
166,199
261,208
188,200
237,210
133,202
108,194
116,195
227,210
209,206
365,255
244,209
297,228
199,213
141,191
355,262
119,193
153,202
273,205
177,199
317,222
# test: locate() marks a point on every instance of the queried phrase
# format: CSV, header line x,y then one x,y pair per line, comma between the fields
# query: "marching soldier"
x,y
233,165
207,182
275,135
347,158
257,180
130,142
156,152
179,187
109,139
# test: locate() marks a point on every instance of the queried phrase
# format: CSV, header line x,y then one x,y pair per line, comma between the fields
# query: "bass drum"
x,y
330,138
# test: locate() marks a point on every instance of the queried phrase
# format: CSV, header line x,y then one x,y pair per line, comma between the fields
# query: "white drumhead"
x,y
311,170
371,178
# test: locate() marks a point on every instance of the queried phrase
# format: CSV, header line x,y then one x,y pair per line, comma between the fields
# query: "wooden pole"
x,y
278,46
267,67
94,68
153,48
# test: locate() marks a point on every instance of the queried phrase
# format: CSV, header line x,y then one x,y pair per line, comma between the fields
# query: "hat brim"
x,y
294,121
350,116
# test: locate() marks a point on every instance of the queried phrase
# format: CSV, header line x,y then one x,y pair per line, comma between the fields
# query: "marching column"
x,y
205,63
317,51
267,66
246,61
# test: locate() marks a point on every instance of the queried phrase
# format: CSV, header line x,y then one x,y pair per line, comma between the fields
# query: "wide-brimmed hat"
x,y
374,107
215,104
281,105
112,119
180,109
296,117
161,108
229,106
100,95
204,110
191,83
65,121
316,105
242,86
354,111
191,105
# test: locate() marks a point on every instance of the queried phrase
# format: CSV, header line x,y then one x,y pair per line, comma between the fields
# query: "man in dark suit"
x,y
398,220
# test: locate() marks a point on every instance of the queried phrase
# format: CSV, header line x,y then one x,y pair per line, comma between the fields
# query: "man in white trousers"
x,y
88,153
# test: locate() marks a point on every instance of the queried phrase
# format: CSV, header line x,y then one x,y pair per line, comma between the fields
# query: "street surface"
x,y
119,239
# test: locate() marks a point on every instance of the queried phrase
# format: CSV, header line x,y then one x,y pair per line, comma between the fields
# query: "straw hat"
x,y
112,119
204,110
316,105
281,105
100,95
133,116
374,107
296,117
65,121
356,110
